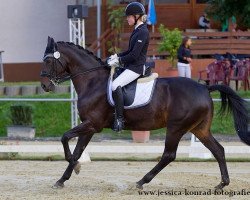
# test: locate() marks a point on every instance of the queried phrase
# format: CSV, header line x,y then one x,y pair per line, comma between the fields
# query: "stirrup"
x,y
118,125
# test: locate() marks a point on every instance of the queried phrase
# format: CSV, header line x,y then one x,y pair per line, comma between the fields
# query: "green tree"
x,y
171,41
116,20
221,10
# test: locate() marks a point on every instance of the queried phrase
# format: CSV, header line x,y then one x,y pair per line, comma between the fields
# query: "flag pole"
x,y
152,17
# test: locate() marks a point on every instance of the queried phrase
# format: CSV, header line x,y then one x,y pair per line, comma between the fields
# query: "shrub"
x,y
21,114
171,40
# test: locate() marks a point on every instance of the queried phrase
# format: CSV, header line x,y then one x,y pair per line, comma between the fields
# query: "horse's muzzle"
x,y
49,87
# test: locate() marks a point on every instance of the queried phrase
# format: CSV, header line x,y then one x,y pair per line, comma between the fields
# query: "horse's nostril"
x,y
43,86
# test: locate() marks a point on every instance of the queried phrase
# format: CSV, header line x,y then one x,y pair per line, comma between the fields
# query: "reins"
x,y
88,71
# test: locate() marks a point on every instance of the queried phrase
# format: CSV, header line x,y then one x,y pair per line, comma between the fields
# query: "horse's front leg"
x,y
84,128
85,132
82,143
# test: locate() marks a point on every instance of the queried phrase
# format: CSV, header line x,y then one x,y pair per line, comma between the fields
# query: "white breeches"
x,y
184,70
124,78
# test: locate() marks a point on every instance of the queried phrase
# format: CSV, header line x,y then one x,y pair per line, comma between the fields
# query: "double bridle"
x,y
56,78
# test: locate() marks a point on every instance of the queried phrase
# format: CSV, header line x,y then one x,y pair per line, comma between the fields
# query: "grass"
x,y
52,119
27,83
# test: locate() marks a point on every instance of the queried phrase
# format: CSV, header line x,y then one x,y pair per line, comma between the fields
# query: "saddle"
x,y
137,93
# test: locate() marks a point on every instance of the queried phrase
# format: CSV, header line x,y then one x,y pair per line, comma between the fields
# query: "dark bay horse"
x,y
179,104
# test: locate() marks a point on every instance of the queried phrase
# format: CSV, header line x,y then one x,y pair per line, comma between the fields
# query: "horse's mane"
x,y
86,51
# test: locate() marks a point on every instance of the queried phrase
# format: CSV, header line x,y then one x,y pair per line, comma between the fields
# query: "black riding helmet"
x,y
135,8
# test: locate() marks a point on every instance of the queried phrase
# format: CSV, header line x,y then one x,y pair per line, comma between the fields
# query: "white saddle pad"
x,y
144,92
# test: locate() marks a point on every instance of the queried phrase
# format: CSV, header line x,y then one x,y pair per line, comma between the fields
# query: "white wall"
x,y
26,24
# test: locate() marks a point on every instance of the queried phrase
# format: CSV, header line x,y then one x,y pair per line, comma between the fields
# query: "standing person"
x,y
132,60
229,25
184,58
204,22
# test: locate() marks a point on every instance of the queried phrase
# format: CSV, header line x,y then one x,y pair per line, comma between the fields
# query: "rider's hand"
x,y
113,61
189,60
112,57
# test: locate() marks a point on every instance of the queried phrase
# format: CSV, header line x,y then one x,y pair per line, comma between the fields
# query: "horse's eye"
x,y
48,61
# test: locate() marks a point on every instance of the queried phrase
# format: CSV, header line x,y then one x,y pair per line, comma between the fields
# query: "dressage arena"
x,y
116,180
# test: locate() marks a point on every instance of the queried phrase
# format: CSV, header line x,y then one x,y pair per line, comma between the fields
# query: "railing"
x,y
39,99
71,100
100,43
204,43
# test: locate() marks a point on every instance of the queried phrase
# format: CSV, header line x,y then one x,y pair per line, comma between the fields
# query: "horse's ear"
x,y
49,38
55,47
53,44
50,45
50,41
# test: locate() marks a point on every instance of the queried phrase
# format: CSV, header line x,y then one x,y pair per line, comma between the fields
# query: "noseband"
x,y
56,78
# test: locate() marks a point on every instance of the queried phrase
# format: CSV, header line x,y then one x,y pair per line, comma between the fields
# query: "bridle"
x,y
52,75
56,78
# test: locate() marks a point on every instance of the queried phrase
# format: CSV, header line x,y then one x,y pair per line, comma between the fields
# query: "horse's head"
x,y
54,68
64,60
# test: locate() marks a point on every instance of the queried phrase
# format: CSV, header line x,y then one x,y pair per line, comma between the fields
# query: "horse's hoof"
x,y
77,168
138,186
58,185
221,185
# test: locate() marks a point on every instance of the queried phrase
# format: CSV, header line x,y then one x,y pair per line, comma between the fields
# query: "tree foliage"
x,y
171,40
220,10
116,20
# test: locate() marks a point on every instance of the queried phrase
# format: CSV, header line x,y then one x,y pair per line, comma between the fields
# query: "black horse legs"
x,y
219,154
86,132
83,129
169,155
82,143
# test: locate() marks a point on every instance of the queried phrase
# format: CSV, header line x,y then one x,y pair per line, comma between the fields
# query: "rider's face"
x,y
189,42
131,20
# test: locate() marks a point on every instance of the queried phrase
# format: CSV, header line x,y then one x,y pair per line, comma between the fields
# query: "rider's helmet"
x,y
135,8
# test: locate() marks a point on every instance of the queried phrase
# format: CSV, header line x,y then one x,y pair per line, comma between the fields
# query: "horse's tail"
x,y
232,102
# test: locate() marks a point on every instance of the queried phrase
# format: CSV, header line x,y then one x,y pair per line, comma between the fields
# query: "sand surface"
x,y
32,180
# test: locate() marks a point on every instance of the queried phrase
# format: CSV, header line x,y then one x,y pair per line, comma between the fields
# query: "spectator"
x,y
184,58
204,22
229,24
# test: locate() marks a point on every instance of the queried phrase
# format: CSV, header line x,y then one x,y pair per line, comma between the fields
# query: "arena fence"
x,y
196,149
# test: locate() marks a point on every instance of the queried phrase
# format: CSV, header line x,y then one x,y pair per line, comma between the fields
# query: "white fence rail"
x,y
192,149
38,100
62,99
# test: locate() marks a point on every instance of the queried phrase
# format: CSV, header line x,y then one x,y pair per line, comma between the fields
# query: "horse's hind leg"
x,y
169,155
218,152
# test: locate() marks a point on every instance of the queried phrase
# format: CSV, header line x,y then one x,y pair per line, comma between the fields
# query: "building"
x,y
25,25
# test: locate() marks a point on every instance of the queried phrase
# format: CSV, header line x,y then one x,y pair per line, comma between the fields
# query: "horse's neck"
x,y
91,82
86,80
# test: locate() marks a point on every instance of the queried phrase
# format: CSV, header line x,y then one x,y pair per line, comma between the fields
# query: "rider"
x,y
132,60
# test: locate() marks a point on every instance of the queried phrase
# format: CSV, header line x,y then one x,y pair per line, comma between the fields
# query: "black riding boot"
x,y
119,104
